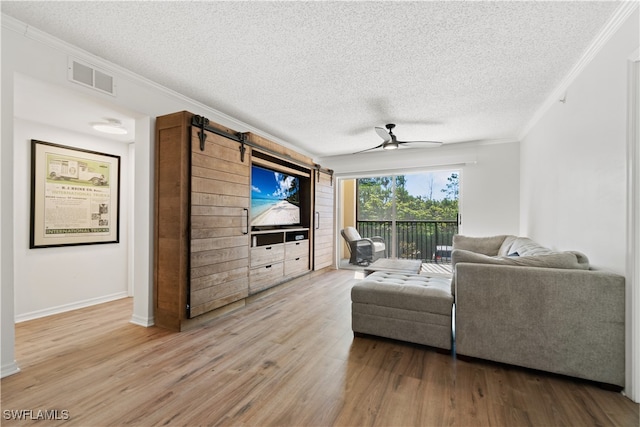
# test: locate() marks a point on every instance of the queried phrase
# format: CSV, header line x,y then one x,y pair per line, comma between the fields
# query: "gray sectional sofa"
x,y
519,303
516,302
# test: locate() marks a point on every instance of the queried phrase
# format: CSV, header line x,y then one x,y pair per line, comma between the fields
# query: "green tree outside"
x,y
375,201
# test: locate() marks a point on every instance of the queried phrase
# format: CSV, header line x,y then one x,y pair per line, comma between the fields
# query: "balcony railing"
x,y
429,241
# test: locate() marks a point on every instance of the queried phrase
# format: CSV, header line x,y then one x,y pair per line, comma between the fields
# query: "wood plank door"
x,y
171,224
220,191
324,230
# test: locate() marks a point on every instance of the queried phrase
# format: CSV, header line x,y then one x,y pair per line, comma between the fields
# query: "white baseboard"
x,y
9,369
142,321
68,307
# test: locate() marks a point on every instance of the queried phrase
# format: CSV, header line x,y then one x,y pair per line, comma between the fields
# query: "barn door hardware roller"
x,y
243,139
203,124
320,169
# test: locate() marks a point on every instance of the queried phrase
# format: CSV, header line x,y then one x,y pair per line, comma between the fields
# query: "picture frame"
x,y
75,196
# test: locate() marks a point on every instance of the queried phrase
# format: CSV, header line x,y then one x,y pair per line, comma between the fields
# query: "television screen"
x,y
275,198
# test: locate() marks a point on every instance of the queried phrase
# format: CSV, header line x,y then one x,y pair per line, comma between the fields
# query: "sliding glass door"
x,y
416,214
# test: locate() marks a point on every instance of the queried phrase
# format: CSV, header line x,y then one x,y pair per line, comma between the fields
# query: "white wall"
x,y
490,179
573,185
50,280
490,192
574,188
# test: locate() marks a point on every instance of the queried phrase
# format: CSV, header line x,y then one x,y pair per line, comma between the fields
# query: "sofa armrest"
x,y
363,247
570,322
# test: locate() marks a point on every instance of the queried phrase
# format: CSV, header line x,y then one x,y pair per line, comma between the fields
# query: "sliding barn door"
x,y
220,192
324,230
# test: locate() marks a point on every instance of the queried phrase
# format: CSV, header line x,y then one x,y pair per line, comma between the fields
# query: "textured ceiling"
x,y
320,75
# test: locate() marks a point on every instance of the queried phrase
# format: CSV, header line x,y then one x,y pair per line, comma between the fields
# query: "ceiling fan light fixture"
x,y
112,126
390,142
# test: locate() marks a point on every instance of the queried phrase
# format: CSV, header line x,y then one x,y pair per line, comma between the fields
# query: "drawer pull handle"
x,y
298,259
268,266
268,248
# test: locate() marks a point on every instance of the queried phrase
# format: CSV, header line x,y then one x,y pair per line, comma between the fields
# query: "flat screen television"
x,y
275,198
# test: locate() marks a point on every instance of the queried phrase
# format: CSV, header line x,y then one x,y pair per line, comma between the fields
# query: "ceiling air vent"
x,y
87,75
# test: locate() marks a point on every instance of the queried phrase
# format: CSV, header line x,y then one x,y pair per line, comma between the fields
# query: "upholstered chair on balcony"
x,y
363,250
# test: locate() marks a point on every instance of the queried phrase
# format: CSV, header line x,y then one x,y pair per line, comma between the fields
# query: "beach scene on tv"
x,y
275,198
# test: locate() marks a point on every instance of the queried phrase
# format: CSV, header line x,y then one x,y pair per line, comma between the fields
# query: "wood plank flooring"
x,y
288,359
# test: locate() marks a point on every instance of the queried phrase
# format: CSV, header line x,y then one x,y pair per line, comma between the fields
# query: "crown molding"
x,y
610,28
46,39
443,166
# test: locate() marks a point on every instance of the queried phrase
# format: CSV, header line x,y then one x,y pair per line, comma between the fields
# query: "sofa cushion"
x,y
523,246
482,245
505,248
351,234
567,260
405,291
378,246
511,250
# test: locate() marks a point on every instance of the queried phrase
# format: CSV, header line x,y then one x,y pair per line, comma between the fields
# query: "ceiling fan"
x,y
390,142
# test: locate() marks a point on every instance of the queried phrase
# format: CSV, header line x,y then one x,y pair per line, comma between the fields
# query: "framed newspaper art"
x,y
75,196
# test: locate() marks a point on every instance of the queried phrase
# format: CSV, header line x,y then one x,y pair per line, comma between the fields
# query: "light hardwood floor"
x,y
288,359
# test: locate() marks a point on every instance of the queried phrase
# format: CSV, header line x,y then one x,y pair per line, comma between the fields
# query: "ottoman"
x,y
407,307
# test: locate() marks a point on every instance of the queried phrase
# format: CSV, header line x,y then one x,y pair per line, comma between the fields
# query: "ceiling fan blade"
x,y
369,149
382,132
434,143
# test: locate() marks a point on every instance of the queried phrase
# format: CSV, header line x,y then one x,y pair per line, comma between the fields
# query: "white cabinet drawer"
x,y
266,276
261,255
295,266
296,249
